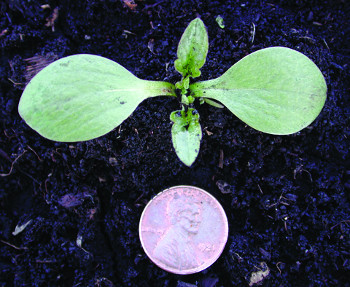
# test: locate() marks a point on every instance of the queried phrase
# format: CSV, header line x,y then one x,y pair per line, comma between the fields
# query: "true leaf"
x,y
186,135
82,97
192,50
274,90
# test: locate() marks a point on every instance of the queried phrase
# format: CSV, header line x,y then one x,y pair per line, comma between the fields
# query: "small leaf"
x,y
192,50
82,97
186,135
220,21
274,90
20,228
184,100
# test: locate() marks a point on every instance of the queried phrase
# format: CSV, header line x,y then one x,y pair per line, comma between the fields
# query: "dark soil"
x,y
287,198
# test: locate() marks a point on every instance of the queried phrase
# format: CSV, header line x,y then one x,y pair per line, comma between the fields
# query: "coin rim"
x,y
207,263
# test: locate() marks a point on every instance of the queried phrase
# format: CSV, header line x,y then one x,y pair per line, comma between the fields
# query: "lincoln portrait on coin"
x,y
176,248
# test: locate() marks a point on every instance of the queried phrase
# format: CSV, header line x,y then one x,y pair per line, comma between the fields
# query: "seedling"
x,y
77,98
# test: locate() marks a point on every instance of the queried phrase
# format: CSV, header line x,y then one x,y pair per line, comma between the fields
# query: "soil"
x,y
287,198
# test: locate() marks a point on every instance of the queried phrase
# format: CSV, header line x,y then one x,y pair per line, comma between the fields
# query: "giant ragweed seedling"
x,y
77,98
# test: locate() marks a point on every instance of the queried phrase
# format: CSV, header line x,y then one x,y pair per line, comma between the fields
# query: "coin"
x,y
183,229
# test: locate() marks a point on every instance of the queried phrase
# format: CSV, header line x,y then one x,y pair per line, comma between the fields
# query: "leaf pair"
x,y
274,90
192,51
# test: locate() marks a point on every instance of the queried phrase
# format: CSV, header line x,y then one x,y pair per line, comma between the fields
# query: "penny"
x,y
183,229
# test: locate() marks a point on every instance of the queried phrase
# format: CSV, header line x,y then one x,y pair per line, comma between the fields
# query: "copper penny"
x,y
183,229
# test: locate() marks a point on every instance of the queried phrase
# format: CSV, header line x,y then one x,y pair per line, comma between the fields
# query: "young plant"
x,y
77,98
